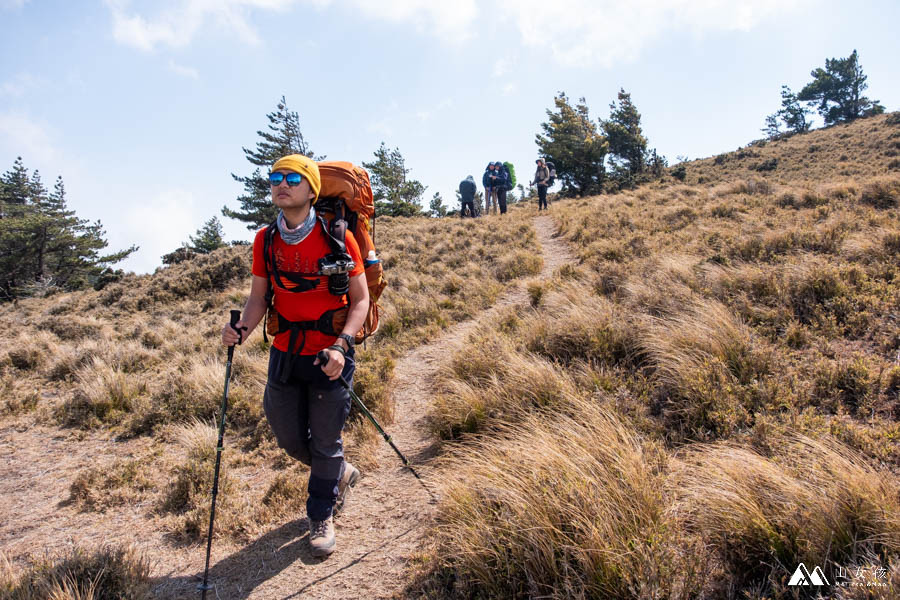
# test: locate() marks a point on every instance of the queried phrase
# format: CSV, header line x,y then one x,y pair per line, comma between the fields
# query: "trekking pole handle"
x,y
235,317
323,359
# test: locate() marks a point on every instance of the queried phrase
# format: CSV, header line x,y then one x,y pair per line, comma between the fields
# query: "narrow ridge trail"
x,y
386,518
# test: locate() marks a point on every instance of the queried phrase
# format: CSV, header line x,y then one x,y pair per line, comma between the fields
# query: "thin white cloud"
x,y
12,4
604,32
156,235
427,113
20,85
21,135
509,89
450,21
183,71
176,25
502,66
383,127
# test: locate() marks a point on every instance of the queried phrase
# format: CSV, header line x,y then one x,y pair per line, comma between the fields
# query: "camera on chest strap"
x,y
337,268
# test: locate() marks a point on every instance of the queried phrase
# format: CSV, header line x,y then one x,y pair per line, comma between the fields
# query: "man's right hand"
x,y
230,337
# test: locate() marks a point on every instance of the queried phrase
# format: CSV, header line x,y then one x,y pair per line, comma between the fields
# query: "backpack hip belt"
x,y
329,323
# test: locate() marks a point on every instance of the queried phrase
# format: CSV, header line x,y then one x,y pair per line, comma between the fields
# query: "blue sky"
x,y
143,107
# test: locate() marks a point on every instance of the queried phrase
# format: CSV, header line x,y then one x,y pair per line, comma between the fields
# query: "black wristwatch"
x,y
351,342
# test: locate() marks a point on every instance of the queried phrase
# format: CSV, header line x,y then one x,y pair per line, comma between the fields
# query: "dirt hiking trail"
x,y
381,528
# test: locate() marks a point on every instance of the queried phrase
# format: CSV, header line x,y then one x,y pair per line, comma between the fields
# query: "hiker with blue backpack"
x,y
502,186
491,180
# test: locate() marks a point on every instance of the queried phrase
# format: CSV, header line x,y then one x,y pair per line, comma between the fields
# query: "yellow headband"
x,y
303,165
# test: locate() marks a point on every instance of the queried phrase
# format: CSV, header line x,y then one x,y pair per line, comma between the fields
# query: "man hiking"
x,y
467,191
502,185
490,180
541,177
305,404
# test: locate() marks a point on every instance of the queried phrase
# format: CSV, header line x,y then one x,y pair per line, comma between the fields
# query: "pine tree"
x,y
208,238
571,141
773,127
437,207
627,144
837,90
283,138
395,195
42,243
792,113
657,164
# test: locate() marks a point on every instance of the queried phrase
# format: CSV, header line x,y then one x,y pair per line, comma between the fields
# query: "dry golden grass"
x,y
814,501
752,309
560,507
107,573
755,311
142,358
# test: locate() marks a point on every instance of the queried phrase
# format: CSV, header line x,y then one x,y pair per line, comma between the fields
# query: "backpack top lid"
x,y
349,183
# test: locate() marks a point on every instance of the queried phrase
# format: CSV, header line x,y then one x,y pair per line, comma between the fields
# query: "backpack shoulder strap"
x,y
335,234
269,254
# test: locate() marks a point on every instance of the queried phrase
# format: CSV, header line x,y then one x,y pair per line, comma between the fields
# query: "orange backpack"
x,y
347,194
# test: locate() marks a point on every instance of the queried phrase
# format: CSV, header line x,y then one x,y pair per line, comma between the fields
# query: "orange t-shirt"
x,y
303,259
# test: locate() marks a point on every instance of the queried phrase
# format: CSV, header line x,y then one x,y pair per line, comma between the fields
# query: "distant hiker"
x,y
503,185
305,404
541,179
491,183
467,189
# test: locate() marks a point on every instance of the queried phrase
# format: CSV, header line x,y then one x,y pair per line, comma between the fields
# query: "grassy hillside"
x,y
705,399
708,395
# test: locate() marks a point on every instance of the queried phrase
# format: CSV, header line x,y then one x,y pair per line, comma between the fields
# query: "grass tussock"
x,y
815,501
100,488
107,573
580,515
490,383
189,495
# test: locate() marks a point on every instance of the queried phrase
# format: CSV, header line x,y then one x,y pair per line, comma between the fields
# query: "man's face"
x,y
287,196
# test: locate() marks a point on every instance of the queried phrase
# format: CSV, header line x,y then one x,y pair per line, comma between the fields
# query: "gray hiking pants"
x,y
307,414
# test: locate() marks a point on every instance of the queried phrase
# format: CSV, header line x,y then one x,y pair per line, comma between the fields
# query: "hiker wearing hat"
x,y
305,404
467,191
491,181
502,185
541,177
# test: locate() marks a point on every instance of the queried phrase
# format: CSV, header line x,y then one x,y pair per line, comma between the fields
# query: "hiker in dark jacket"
x,y
491,181
503,180
541,177
467,191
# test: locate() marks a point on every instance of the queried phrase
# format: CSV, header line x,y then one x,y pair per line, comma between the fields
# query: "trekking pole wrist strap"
x,y
338,348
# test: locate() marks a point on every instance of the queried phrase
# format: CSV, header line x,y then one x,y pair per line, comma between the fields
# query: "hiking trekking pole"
x,y
205,586
323,359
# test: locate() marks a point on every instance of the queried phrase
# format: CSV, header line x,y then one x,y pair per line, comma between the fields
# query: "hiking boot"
x,y
321,537
348,480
